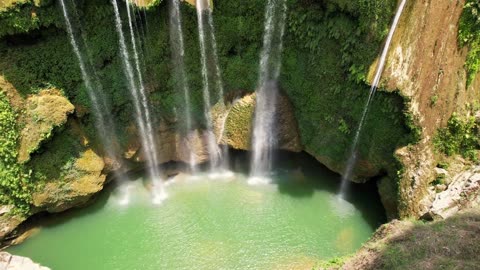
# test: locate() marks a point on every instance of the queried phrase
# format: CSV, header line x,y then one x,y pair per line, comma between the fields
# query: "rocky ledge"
x,y
457,193
12,262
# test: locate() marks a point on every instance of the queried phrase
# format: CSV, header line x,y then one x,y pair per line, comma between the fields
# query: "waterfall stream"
x,y
264,138
140,101
347,175
103,119
178,55
209,57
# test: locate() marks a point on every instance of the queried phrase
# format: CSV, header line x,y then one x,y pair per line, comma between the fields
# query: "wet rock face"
x,y
78,185
233,124
12,262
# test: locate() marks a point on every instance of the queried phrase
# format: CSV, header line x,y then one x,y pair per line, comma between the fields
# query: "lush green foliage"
x,y
469,35
27,16
329,46
461,136
14,180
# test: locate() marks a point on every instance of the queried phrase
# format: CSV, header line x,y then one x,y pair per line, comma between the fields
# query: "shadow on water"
x,y
300,175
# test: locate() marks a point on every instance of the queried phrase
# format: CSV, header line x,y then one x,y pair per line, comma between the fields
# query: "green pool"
x,y
212,224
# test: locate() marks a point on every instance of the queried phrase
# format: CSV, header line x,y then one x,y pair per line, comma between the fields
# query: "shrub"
x,y
459,137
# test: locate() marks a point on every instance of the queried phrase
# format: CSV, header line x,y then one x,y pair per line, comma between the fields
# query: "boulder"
x,y
233,124
8,220
84,179
463,192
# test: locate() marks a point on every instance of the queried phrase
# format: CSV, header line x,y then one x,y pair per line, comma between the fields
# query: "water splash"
x,y
267,91
140,102
208,50
178,55
347,175
103,119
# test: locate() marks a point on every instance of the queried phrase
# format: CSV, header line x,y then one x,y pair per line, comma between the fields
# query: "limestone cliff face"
x,y
425,63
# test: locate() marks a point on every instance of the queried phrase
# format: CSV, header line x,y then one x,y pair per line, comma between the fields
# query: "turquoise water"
x,y
212,224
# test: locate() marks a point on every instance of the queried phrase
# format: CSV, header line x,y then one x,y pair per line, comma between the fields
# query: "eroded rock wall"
x,y
426,65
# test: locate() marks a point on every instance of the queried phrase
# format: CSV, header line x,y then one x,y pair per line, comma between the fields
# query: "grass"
x,y
448,244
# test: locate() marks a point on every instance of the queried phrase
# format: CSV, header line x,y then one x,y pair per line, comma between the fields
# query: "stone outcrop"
x,y
233,124
455,193
425,64
12,262
80,183
8,220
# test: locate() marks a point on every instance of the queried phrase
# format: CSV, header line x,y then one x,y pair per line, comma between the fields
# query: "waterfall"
x,y
178,55
381,65
209,53
263,140
140,102
103,119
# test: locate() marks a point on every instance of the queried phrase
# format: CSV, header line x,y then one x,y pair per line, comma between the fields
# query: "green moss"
x,y
21,17
14,179
55,159
469,35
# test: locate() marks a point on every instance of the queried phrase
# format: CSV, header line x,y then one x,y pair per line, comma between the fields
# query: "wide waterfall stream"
x,y
213,224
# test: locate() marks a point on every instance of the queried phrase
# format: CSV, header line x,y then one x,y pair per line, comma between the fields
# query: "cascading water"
x,y
103,120
209,52
381,65
178,54
140,101
267,91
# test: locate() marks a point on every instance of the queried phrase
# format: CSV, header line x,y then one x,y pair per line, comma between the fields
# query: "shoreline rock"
x,y
13,262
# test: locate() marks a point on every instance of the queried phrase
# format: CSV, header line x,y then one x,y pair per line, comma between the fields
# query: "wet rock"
x,y
12,262
8,220
173,146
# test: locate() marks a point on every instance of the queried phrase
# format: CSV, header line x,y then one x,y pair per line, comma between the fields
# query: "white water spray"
x,y
204,10
263,140
178,55
103,121
140,101
381,65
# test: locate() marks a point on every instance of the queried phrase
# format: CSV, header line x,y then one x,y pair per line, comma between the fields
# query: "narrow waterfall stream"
x,y
178,55
267,91
347,175
209,58
101,111
140,101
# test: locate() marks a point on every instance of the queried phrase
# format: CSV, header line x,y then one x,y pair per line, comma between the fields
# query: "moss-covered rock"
x,y
83,180
233,124
43,112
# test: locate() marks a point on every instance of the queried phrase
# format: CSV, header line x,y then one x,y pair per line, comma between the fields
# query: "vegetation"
x,y
461,136
329,46
14,179
446,244
469,35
